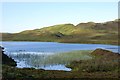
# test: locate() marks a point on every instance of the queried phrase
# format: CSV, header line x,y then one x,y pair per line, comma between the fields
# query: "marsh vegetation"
x,y
100,66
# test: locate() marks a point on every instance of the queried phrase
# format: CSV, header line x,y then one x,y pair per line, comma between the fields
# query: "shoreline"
x,y
66,42
11,72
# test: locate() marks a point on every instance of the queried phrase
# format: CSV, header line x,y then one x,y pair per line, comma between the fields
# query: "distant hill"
x,y
105,33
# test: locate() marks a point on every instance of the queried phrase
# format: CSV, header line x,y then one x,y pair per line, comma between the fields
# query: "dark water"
x,y
36,54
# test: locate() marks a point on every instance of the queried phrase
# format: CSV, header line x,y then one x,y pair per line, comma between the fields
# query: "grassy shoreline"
x,y
102,66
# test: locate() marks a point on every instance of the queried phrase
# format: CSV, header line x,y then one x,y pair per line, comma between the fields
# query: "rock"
x,y
59,34
103,52
5,59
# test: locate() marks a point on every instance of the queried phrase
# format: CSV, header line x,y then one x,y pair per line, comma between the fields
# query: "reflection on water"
x,y
45,54
39,60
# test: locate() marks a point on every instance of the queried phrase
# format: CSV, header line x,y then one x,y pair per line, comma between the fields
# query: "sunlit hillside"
x,y
90,32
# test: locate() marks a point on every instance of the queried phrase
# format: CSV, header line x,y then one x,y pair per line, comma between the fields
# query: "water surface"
x,y
41,54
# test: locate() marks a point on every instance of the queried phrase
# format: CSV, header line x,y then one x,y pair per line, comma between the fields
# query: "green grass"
x,y
83,67
100,33
64,58
102,61
52,59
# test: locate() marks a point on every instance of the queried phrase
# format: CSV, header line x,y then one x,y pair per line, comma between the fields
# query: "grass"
x,y
39,74
103,61
100,33
52,59
105,66
64,58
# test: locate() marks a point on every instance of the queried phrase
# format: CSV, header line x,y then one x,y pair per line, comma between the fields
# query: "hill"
x,y
105,33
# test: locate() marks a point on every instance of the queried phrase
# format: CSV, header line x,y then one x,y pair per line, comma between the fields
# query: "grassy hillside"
x,y
105,33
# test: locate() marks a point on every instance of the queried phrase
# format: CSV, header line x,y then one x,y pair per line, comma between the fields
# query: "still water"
x,y
43,54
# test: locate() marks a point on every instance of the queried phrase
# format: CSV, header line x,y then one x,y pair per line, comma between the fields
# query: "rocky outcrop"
x,y
59,35
5,59
102,61
103,52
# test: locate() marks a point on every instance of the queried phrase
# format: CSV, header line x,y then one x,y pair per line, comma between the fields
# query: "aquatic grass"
x,y
39,60
61,58
87,69
67,57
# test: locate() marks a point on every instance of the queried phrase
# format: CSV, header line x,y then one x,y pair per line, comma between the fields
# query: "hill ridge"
x,y
89,32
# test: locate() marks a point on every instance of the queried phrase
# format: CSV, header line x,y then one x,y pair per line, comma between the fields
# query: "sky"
x,y
19,16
